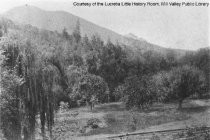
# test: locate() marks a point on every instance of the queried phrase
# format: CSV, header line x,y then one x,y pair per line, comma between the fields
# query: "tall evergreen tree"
x,y
76,33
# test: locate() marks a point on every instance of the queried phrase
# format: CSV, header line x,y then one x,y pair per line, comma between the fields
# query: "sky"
x,y
172,27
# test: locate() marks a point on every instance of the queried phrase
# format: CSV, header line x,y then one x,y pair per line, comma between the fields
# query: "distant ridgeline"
x,y
58,20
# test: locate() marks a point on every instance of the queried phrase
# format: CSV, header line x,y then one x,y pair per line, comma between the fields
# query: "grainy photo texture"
x,y
104,70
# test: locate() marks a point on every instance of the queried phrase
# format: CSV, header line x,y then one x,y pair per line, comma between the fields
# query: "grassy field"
x,y
113,118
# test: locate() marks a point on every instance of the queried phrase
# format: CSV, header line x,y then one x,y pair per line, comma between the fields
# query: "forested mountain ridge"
x,y
60,20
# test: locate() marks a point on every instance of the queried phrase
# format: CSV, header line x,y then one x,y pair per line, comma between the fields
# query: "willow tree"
x,y
10,114
40,76
9,97
33,96
46,97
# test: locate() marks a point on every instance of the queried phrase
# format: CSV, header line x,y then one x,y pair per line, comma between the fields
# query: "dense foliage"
x,y
40,69
91,88
138,92
10,112
179,83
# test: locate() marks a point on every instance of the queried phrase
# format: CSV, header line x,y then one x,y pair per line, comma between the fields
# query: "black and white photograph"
x,y
104,70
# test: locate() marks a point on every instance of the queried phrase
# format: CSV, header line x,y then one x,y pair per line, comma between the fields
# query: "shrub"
x,y
63,106
93,123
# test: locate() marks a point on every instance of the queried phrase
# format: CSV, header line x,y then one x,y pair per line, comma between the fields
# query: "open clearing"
x,y
115,119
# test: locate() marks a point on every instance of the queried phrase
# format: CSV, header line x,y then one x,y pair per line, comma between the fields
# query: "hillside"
x,y
58,20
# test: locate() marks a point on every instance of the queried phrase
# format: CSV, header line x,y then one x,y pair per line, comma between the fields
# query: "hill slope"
x,y
58,20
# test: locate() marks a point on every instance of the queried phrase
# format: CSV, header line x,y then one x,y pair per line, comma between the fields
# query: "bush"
x,y
63,106
93,123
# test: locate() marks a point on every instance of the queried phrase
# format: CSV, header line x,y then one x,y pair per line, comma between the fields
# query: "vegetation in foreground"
x,y
113,119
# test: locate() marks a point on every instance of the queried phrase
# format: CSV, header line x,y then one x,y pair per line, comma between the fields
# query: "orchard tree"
x,y
161,84
138,92
199,59
180,83
91,88
202,58
186,81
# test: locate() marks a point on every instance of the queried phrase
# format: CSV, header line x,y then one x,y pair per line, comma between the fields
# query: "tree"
x,y
76,33
74,73
171,58
35,95
138,92
112,66
91,88
10,102
201,61
10,115
65,34
92,62
180,83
